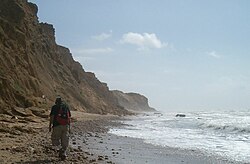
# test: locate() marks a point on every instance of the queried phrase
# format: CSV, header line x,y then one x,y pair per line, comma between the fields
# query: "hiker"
x,y
60,123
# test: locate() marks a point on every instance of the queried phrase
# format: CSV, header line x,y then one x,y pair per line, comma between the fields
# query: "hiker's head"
x,y
58,100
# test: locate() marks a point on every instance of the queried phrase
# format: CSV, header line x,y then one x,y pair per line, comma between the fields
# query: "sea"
x,y
220,133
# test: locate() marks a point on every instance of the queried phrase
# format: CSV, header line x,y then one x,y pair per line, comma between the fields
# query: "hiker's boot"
x,y
62,154
63,157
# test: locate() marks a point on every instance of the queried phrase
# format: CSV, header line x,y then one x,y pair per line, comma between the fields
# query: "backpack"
x,y
63,116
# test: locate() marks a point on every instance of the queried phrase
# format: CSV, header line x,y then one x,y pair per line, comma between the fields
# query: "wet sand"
x,y
126,150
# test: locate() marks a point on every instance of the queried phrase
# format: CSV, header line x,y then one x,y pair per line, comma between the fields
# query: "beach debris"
x,y
87,153
90,134
100,157
92,160
31,149
14,117
17,149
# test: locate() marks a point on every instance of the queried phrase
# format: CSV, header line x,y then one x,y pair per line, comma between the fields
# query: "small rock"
x,y
14,117
100,158
31,149
92,160
35,152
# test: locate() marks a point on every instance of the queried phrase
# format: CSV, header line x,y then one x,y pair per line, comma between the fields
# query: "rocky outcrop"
x,y
34,69
180,115
132,101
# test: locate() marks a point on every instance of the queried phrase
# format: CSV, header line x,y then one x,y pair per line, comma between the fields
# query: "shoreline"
x,y
90,142
123,150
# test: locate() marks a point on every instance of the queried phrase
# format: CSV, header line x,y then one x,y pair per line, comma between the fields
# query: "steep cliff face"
x,y
33,66
132,101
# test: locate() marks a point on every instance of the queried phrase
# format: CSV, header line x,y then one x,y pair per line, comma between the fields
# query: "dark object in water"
x,y
180,115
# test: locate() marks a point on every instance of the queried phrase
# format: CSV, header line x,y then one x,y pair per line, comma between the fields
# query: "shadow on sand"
x,y
46,161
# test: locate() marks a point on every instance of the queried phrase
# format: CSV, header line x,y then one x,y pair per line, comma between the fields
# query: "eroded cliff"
x,y
34,69
132,101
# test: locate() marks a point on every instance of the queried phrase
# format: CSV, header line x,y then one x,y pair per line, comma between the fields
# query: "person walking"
x,y
60,126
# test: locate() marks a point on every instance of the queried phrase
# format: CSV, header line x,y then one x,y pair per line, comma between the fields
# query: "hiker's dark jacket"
x,y
55,110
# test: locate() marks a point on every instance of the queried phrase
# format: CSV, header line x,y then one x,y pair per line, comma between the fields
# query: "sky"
x,y
183,55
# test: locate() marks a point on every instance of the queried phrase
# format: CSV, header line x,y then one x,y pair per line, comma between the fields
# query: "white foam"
x,y
226,134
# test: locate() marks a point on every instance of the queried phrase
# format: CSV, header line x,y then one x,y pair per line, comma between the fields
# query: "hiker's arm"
x,y
51,119
69,121
69,124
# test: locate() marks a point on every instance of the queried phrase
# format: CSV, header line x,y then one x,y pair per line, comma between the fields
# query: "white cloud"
x,y
143,41
93,51
214,54
102,36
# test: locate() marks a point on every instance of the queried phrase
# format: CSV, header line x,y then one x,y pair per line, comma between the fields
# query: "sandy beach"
x,y
89,143
29,142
